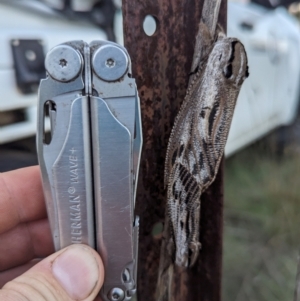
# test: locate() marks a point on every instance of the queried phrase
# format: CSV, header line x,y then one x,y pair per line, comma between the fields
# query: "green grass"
x,y
261,225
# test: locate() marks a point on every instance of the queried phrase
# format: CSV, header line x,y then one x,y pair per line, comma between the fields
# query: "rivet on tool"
x,y
110,62
63,63
116,294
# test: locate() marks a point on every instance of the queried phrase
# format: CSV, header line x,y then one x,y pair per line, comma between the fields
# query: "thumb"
x,y
73,273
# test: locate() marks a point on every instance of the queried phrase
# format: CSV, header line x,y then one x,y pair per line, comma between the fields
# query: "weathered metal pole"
x,y
161,64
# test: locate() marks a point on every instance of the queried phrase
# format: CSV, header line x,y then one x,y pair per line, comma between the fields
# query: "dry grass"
x,y
262,225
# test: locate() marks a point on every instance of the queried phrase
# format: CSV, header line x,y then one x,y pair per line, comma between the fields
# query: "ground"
x,y
262,219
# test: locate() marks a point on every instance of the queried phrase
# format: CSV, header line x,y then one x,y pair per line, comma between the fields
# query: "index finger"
x,y
21,197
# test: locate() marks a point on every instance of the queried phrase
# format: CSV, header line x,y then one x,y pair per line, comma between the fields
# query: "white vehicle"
x,y
26,34
269,97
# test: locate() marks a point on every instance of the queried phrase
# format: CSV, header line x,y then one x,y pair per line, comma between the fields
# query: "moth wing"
x,y
184,210
180,136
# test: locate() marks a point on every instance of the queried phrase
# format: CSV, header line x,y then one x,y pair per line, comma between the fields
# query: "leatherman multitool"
x,y
90,163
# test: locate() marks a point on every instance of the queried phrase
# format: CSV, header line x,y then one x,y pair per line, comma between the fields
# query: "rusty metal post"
x,y
161,64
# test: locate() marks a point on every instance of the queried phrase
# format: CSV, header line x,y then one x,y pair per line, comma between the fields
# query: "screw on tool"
x,y
63,63
110,62
116,294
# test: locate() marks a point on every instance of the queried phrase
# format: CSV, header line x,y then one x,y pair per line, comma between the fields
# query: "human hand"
x,y
74,273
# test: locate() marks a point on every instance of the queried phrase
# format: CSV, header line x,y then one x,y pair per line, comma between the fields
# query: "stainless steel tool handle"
x,y
90,165
113,123
65,160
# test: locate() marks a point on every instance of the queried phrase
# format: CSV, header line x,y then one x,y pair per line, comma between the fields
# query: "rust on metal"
x,y
161,64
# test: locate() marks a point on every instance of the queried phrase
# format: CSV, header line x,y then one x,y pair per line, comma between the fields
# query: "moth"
x,y
200,131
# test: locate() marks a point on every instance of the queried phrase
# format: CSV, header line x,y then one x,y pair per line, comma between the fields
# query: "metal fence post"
x,y
161,64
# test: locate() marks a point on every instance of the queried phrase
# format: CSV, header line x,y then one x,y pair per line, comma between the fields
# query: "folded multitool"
x,y
90,161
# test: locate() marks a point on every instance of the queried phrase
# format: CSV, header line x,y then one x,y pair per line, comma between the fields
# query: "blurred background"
x,y
262,166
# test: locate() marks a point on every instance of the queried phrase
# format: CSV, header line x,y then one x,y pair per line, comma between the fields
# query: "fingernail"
x,y
77,271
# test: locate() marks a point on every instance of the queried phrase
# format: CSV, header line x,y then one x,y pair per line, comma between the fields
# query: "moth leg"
x,y
210,14
194,244
202,49
194,247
